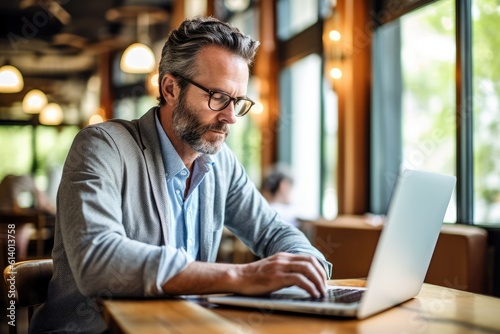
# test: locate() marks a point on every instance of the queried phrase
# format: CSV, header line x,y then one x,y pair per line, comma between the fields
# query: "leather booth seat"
x,y
458,261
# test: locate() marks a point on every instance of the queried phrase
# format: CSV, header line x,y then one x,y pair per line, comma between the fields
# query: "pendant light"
x,y
138,57
52,114
236,5
11,80
34,101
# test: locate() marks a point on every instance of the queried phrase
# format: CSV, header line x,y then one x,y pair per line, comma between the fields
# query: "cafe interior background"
x,y
348,93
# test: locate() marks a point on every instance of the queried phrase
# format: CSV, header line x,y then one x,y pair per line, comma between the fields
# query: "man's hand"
x,y
259,277
283,270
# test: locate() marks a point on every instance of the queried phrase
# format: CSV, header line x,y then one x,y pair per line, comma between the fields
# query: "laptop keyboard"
x,y
343,296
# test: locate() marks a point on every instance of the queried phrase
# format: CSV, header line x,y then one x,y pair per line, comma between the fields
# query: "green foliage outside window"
x,y
486,108
16,150
429,107
428,72
19,156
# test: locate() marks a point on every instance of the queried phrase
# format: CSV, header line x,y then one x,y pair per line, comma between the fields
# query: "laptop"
x,y
404,250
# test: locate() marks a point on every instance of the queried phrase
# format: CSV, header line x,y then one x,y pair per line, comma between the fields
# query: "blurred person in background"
x,y
19,194
277,188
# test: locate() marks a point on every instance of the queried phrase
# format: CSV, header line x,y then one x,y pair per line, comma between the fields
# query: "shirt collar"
x,y
172,162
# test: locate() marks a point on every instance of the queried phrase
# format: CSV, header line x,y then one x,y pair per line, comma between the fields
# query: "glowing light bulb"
x,y
334,35
95,119
52,114
258,108
34,101
137,58
154,80
11,80
336,73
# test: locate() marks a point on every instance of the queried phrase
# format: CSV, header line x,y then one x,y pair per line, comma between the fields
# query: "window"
x,y
417,96
37,150
486,110
245,139
428,91
16,150
329,154
299,138
295,16
307,140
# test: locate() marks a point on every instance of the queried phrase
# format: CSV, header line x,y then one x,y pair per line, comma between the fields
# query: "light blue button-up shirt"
x,y
184,229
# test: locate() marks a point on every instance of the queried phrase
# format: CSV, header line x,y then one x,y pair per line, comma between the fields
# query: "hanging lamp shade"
x,y
236,5
52,114
11,80
34,101
137,58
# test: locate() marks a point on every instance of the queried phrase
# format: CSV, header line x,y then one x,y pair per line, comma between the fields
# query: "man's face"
x,y
189,127
195,124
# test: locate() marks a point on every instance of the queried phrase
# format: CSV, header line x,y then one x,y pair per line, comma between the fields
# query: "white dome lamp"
x,y
52,114
11,80
34,101
138,57
236,5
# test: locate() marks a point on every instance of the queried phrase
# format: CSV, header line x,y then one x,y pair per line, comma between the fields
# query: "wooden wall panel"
x,y
267,71
354,107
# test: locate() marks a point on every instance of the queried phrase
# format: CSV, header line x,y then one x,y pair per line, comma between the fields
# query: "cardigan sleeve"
x,y
249,216
101,254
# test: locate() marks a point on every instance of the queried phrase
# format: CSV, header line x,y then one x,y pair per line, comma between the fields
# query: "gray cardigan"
x,y
112,223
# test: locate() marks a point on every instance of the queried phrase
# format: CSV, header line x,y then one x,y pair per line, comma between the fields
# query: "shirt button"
x,y
183,173
178,192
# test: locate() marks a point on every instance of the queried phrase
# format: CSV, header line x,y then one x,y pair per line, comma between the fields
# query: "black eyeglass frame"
x,y
230,98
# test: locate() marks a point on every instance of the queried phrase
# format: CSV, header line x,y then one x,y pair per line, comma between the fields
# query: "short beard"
x,y
188,128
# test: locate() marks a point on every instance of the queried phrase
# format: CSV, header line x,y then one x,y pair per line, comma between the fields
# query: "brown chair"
x,y
37,226
27,284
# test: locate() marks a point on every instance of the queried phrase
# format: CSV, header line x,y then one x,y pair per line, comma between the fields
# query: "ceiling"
x,y
56,43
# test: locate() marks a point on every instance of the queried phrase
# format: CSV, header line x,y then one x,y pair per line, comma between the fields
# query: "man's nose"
x,y
228,114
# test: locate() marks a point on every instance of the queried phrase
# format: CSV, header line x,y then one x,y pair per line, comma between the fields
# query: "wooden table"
x,y
435,310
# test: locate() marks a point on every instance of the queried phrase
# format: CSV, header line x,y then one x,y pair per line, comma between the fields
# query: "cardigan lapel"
x,y
154,165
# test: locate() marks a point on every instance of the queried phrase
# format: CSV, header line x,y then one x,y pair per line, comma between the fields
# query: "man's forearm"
x,y
259,277
202,278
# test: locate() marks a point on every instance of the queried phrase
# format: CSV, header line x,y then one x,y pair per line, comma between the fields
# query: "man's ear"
x,y
170,89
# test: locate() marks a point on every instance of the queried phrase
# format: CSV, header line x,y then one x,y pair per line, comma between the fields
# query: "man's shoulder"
x,y
122,130
114,129
120,127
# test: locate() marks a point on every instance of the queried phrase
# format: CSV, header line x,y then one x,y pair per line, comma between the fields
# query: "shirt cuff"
x,y
172,262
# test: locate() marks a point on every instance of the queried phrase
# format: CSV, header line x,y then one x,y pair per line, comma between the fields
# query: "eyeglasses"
x,y
218,101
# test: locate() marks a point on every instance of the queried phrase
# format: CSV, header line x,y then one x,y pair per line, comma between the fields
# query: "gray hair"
x,y
183,45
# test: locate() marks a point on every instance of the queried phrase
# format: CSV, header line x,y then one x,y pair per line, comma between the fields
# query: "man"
x,y
142,204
